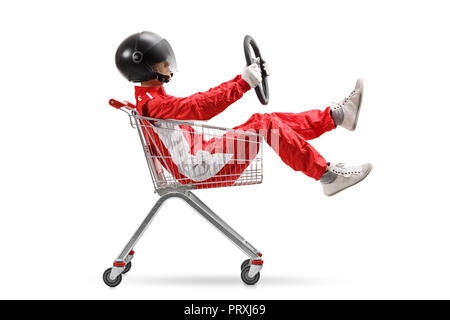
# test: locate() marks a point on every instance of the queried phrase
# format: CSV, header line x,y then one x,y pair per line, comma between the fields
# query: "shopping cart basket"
x,y
183,156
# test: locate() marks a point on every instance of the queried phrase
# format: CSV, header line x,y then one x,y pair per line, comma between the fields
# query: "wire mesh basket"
x,y
192,155
186,155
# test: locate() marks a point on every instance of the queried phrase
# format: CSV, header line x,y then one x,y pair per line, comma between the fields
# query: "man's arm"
x,y
199,106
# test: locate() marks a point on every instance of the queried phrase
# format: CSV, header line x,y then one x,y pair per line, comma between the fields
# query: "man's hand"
x,y
252,75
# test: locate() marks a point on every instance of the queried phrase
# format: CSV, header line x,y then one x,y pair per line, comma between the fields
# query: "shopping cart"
x,y
184,156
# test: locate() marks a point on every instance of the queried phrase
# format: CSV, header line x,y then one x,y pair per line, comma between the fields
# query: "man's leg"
x,y
296,152
309,124
292,148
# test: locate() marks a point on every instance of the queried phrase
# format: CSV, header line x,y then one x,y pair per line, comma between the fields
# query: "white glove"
x,y
252,75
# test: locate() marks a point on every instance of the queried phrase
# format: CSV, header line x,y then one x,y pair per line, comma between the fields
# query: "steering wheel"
x,y
252,54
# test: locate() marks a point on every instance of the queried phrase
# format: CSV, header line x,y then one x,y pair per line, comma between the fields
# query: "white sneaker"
x,y
342,177
351,106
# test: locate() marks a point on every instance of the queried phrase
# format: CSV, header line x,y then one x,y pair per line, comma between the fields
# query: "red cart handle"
x,y
117,104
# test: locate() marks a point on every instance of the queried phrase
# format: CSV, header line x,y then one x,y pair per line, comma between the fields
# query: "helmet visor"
x,y
160,52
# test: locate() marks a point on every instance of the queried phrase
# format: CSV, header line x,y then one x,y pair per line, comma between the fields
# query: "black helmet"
x,y
137,53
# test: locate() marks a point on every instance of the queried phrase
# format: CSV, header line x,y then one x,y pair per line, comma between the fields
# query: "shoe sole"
x,y
332,194
359,106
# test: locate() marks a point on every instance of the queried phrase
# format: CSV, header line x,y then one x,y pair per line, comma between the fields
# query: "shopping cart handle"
x,y
117,104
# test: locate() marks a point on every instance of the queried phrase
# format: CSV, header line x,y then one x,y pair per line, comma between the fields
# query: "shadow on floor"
x,y
201,280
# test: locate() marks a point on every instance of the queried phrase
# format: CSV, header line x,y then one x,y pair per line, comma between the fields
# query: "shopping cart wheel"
x,y
248,280
127,268
110,282
245,263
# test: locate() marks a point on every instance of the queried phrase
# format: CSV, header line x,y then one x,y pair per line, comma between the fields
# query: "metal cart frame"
x,y
167,186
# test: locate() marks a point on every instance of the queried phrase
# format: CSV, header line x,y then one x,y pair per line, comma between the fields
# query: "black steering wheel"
x,y
252,54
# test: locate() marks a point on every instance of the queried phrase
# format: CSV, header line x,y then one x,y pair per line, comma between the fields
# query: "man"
x,y
149,59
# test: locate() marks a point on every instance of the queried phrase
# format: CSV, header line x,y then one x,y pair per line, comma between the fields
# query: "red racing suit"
x,y
291,129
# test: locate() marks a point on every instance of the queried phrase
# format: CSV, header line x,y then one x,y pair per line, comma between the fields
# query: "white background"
x,y
74,182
